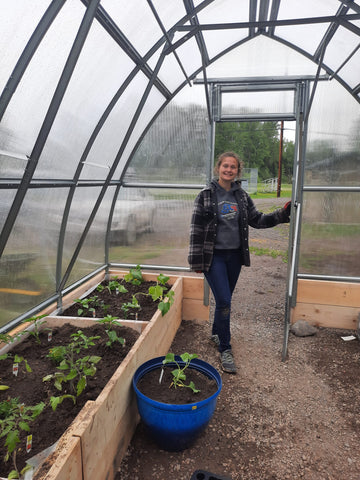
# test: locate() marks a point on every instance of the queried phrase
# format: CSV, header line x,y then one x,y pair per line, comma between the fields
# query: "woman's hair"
x,y
222,157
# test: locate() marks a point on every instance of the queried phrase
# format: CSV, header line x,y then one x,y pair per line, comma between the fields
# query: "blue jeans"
x,y
222,277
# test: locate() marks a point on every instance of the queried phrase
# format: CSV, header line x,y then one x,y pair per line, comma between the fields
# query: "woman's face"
x,y
228,169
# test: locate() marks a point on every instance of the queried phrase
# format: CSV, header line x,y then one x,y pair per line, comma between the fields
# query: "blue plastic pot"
x,y
176,427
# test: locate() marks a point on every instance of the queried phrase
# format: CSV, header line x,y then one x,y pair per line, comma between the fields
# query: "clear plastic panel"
x,y
330,234
307,37
164,240
257,102
170,73
12,165
169,12
92,253
141,34
218,41
90,90
29,104
111,136
7,197
333,141
175,149
224,11
17,25
261,57
350,72
153,104
340,47
27,266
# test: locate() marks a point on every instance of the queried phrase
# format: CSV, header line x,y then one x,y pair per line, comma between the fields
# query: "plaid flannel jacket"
x,y
204,225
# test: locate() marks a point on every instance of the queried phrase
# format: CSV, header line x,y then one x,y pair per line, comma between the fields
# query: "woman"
x,y
219,243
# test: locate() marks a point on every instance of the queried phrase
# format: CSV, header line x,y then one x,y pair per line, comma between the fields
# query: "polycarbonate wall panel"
x,y
89,92
25,114
341,47
332,154
153,103
261,56
165,239
92,253
169,12
175,149
12,165
330,234
224,11
28,263
109,140
233,103
307,36
18,22
171,72
7,197
82,205
141,34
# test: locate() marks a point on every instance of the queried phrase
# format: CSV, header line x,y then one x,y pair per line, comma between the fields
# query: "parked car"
x,y
134,214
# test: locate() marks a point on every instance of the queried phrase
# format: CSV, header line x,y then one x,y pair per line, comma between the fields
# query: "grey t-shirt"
x,y
227,236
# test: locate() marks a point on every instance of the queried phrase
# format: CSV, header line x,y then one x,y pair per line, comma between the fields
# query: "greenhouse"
x,y
109,112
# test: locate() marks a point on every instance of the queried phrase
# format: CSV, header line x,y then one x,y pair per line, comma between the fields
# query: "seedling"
x,y
134,276
87,305
159,293
7,338
35,332
178,373
72,369
15,416
115,286
16,360
133,305
110,321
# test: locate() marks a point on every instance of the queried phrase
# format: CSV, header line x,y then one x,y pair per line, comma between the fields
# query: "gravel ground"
x,y
274,420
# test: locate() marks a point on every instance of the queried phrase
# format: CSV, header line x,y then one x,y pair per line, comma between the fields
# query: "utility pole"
x,y
278,192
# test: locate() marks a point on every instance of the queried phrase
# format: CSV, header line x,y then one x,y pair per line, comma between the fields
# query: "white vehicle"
x,y
134,214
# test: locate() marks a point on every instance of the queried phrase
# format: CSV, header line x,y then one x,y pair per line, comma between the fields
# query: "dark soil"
x,y
110,303
29,388
165,393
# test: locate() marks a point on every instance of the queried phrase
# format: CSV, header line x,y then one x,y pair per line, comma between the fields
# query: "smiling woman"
x,y
219,244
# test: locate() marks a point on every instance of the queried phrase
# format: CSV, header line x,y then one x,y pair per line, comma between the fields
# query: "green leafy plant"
x,y
15,416
128,306
36,322
134,276
109,322
178,374
7,338
16,359
87,305
161,293
73,368
115,286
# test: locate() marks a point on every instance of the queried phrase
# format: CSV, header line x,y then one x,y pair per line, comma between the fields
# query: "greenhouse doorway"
x,y
264,99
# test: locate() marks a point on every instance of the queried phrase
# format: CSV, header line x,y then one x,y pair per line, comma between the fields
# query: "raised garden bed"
x,y
92,447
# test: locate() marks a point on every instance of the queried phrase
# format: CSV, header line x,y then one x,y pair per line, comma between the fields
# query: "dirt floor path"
x,y
274,420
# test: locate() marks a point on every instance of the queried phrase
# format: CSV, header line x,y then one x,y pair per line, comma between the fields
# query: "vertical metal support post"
x,y
296,211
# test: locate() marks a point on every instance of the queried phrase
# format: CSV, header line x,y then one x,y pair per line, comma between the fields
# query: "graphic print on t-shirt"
x,y
228,210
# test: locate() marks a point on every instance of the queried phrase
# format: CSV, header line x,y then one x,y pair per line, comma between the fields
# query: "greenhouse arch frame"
x,y
98,101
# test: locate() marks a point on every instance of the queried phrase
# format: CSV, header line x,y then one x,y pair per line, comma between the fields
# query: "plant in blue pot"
x,y
176,398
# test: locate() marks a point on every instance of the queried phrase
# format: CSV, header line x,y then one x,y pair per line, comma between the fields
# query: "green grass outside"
x,y
270,252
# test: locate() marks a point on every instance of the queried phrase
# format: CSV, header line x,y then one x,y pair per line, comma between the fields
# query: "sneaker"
x,y
215,339
227,362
